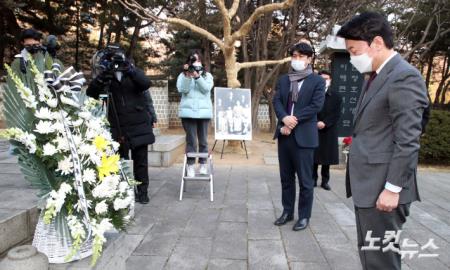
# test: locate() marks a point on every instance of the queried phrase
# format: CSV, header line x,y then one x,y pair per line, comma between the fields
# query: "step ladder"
x,y
198,177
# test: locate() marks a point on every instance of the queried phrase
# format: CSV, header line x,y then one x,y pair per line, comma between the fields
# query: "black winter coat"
x,y
328,151
135,113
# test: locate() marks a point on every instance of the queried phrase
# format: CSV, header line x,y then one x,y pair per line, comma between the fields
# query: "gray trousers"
x,y
196,130
372,219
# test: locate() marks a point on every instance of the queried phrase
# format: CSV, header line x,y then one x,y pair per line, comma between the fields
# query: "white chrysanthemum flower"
x,y
101,207
65,188
62,143
77,122
59,127
85,115
91,134
65,166
44,127
107,187
49,149
45,113
89,176
29,140
52,102
121,203
123,186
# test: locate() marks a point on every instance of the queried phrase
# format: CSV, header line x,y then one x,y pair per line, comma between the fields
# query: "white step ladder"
x,y
198,177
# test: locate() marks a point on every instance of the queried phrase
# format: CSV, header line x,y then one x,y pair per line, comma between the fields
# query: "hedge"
x,y
435,143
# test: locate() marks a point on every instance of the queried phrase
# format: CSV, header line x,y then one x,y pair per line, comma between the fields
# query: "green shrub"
x,y
435,143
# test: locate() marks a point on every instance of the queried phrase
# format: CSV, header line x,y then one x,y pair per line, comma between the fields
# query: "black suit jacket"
x,y
310,101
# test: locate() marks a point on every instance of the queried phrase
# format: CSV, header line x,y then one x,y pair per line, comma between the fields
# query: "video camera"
x,y
112,59
191,60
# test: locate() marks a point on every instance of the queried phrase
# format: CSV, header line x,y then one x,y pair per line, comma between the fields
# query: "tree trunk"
x,y
100,37
205,41
119,29
231,67
134,38
77,42
444,77
429,69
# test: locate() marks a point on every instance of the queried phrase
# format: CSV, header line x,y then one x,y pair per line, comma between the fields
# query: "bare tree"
x,y
227,42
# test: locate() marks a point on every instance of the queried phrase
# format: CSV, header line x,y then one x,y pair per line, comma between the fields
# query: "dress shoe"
x,y
301,224
325,186
283,219
143,198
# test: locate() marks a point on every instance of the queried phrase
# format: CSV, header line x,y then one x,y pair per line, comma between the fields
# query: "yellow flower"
x,y
100,143
108,165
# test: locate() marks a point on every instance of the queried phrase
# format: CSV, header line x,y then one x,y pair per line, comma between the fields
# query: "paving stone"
x,y
146,263
230,241
266,255
190,253
234,214
309,266
224,264
260,225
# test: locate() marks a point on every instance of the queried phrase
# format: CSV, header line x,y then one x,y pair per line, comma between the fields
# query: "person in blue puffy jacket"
x,y
195,109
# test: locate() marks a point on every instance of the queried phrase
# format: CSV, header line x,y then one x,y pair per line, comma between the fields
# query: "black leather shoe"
x,y
283,219
137,197
144,198
301,224
325,186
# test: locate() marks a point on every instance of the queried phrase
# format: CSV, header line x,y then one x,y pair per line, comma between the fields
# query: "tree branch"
x,y
137,9
245,27
225,18
232,11
262,63
196,29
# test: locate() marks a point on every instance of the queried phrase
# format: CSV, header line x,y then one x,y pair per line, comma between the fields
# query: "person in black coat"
x,y
328,151
130,111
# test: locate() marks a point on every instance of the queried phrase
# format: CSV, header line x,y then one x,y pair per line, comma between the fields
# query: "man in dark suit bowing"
x,y
299,97
381,172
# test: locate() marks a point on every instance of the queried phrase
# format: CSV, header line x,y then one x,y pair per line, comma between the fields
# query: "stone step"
x,y
166,149
16,227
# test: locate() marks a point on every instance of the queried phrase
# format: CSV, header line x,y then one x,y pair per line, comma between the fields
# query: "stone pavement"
x,y
236,231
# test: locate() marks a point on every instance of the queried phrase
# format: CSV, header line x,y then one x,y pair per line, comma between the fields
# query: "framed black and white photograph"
x,y
232,114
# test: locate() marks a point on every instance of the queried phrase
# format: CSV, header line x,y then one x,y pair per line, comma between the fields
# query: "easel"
x,y
243,145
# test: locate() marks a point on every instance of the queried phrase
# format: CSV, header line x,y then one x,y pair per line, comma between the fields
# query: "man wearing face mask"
x,y
328,151
130,110
299,97
381,173
32,47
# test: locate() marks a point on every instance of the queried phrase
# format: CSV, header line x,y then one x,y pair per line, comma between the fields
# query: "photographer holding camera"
x,y
195,109
130,110
32,46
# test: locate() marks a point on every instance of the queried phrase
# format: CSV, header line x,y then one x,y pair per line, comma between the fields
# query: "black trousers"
x,y
296,160
196,130
378,222
324,171
139,155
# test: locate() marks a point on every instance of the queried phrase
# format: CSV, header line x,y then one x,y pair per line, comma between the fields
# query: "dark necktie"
x,y
372,77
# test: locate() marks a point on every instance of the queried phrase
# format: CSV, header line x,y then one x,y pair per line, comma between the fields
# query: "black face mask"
x,y
33,48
